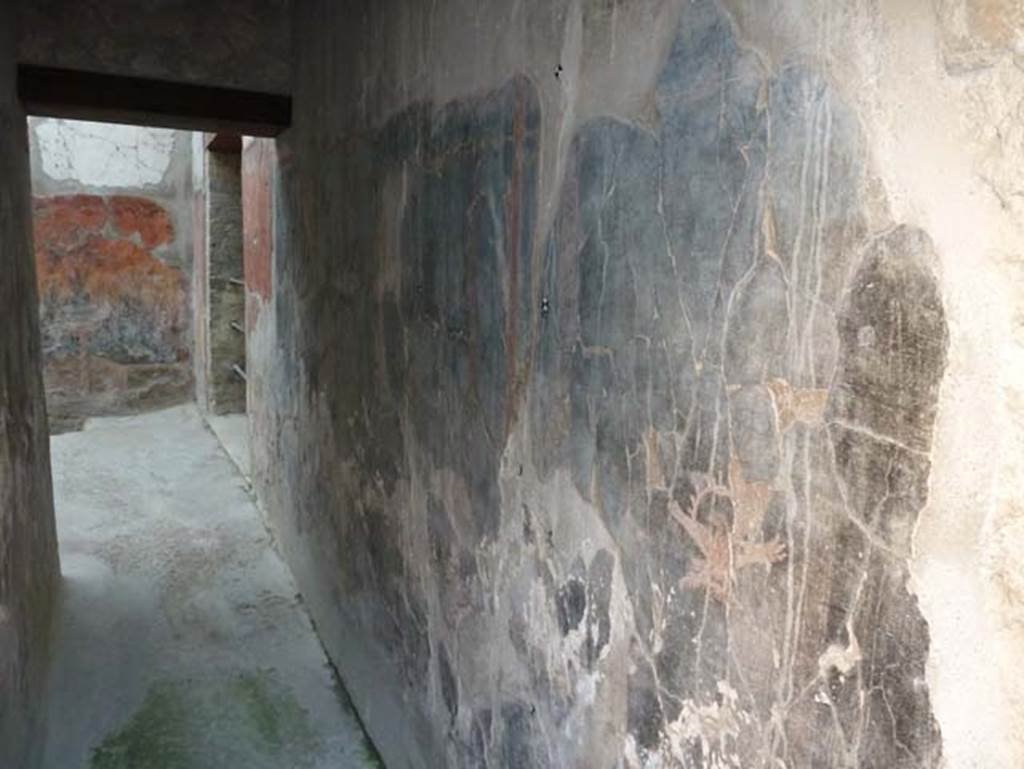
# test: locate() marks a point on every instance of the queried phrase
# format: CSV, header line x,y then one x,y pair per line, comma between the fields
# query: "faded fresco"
x,y
626,483
113,308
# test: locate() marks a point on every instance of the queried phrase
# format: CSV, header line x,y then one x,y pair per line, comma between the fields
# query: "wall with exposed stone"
x,y
218,287
113,247
28,549
640,379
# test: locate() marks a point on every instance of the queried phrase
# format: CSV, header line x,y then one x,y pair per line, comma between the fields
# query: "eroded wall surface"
x,y
259,207
28,551
616,370
113,248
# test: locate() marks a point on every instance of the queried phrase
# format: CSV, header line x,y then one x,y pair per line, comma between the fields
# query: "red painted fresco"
x,y
113,306
258,160
103,290
86,247
142,217
64,222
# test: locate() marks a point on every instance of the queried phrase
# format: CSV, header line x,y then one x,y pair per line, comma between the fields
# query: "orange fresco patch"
x,y
64,222
122,271
117,270
142,217
85,248
76,251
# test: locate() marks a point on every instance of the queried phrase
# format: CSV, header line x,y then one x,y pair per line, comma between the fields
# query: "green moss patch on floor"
x,y
246,720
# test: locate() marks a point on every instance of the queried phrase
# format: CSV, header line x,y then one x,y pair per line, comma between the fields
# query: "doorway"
x,y
180,638
219,291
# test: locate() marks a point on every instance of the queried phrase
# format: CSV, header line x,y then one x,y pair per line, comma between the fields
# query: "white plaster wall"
x,y
104,155
950,159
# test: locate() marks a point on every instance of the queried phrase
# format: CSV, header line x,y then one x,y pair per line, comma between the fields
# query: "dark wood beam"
x,y
49,92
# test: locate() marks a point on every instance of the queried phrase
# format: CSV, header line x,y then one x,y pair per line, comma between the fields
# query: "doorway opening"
x,y
113,254
139,257
175,634
179,634
219,290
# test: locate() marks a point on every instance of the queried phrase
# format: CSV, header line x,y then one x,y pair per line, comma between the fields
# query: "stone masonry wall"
x,y
640,381
217,279
113,254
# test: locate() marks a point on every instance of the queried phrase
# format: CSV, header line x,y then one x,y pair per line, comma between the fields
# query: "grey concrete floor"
x,y
232,430
181,642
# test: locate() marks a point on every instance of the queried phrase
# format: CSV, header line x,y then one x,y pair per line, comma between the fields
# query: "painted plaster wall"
x,y
640,378
28,554
259,208
114,255
225,43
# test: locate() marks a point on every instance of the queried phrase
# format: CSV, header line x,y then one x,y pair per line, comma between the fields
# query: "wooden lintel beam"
x,y
228,144
50,92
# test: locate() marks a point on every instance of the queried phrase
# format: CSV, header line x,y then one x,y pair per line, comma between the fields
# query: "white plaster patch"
x,y
102,155
586,688
842,659
715,725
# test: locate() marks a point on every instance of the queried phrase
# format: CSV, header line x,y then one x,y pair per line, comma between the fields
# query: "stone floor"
x,y
181,642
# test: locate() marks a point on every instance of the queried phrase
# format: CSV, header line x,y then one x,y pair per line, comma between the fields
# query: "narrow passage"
x,y
181,641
